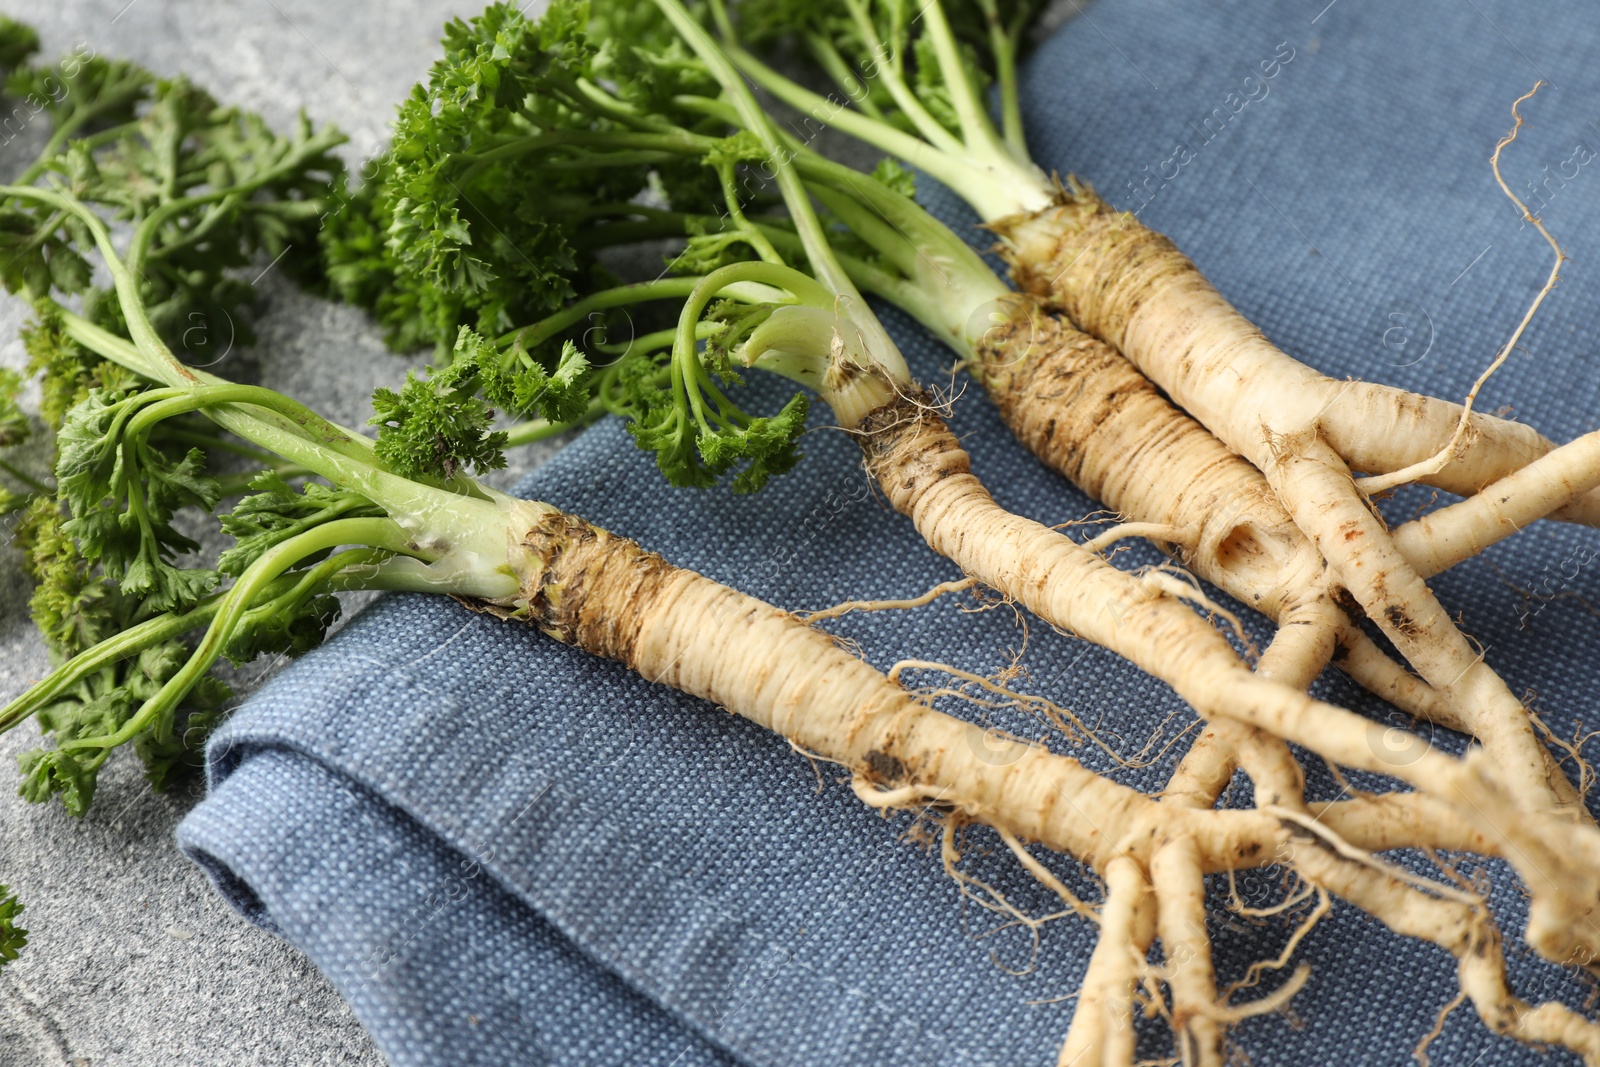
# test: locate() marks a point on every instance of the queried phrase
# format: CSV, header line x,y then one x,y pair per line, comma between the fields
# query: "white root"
x,y
1439,541
1102,1034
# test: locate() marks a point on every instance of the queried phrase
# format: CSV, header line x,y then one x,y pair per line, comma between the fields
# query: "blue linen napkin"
x,y
503,850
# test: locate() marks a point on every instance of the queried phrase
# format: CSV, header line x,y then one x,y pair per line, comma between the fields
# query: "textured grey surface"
x,y
133,959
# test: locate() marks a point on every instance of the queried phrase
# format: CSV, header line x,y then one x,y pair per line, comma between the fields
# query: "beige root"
x,y
612,598
1186,948
1310,478
1133,289
926,475
1087,413
607,595
922,469
1090,414
1440,540
1466,931
1102,1021
1108,425
1129,286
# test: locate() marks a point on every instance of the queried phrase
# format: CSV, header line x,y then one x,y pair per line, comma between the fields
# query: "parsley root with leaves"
x,y
402,515
607,102
1129,287
542,135
814,328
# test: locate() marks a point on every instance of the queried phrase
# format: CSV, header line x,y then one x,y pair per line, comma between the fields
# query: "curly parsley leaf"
x,y
437,425
276,511
123,492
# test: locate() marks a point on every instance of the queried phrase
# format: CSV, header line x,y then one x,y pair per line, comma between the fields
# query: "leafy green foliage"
x,y
898,41
930,84
363,267
469,226
276,512
697,443
36,258
81,92
217,187
692,454
900,179
644,56
221,191
13,430
970,21
66,370
709,247
12,936
508,161
286,630
98,707
443,423
815,26
18,41
212,189
123,493
437,425
519,383
768,22
529,136
13,423
75,608
207,192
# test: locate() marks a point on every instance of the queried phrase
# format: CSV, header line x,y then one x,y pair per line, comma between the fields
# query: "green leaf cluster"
x,y
208,195
528,138
99,706
697,431
12,936
213,190
442,423
76,607
123,492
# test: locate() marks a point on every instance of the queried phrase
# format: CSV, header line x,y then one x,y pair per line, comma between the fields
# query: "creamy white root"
x,y
926,475
610,597
1131,287
1186,951
1105,427
1102,1033
1311,480
1295,657
922,469
1467,932
1440,540
607,595
1090,414
1087,412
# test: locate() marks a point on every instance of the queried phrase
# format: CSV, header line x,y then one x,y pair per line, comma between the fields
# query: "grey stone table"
x,y
133,960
